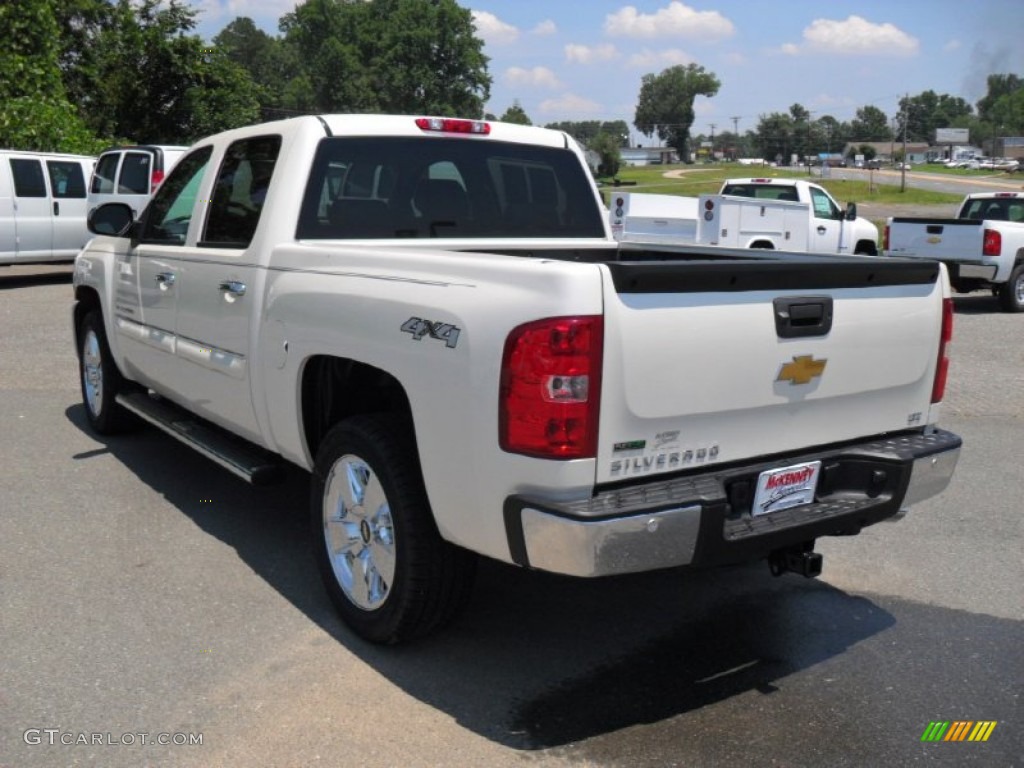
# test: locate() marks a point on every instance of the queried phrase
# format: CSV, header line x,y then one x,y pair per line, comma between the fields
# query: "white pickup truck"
x,y
432,318
983,247
778,214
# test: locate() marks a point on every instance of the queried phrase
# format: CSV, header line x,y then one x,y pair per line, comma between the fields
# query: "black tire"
x,y
1011,294
391,576
100,379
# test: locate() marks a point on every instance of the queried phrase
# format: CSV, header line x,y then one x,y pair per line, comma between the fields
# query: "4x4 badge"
x,y
802,370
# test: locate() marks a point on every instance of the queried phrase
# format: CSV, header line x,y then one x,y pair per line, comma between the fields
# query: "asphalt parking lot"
x,y
144,592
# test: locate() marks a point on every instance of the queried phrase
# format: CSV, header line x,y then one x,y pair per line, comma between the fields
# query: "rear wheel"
x,y
1011,295
101,380
385,566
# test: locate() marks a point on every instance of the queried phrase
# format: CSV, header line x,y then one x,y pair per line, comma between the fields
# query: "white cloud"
x,y
538,76
493,30
855,36
674,20
570,105
952,45
585,54
666,58
791,49
546,27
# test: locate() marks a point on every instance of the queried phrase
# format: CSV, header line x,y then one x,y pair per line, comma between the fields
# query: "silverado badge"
x,y
802,370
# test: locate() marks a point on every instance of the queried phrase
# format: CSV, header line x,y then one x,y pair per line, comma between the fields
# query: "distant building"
x,y
1009,146
917,151
648,155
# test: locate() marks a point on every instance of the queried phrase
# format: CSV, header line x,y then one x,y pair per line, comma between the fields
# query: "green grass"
x,y
700,180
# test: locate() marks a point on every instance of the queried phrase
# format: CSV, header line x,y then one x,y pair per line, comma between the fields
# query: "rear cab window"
x,y
379,188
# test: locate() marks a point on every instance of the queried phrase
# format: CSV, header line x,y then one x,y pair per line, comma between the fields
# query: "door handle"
x,y
165,280
56,208
821,230
234,287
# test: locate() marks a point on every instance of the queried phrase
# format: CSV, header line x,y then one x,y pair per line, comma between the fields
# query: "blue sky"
x,y
584,59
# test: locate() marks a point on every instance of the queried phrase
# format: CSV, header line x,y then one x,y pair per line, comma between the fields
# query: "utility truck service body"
x,y
430,315
778,214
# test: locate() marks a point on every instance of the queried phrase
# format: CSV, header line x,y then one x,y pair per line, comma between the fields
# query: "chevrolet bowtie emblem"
x,y
802,370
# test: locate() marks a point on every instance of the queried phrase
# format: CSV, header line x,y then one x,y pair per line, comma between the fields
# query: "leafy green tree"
x,y
34,110
923,113
1007,114
665,104
516,114
398,56
161,84
870,124
607,146
585,131
999,85
83,39
774,136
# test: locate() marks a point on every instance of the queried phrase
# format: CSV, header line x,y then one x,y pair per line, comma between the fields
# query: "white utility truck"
x,y
772,213
430,316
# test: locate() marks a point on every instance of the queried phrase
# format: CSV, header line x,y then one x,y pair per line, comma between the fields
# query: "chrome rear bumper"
x,y
705,519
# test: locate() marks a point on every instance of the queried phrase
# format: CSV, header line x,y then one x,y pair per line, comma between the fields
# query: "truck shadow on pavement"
x,y
537,661
977,303
23,277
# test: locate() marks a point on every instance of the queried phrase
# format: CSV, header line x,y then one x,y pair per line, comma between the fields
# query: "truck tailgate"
x,y
935,238
725,359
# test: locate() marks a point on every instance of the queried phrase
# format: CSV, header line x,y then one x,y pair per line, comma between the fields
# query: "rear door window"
x,y
240,191
105,173
135,174
66,179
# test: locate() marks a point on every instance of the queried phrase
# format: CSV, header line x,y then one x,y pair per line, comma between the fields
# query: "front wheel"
x,y
1011,295
101,380
385,566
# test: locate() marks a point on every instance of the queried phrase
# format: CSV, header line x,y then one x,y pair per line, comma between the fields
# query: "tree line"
x,y
76,75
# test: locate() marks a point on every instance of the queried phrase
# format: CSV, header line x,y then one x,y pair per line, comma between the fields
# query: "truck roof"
x,y
426,125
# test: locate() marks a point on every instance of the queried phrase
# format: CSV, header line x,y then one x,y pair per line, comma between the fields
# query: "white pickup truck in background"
x,y
983,247
431,317
778,214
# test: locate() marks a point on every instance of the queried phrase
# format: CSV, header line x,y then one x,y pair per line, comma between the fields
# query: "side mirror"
x,y
114,219
851,211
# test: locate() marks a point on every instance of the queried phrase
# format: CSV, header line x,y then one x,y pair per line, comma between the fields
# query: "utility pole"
x,y
906,119
712,141
736,130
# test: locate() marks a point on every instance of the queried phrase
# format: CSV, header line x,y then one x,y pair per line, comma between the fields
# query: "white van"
x,y
43,205
131,174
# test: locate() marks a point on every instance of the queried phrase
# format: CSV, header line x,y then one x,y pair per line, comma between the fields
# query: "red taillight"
x,y
451,125
551,388
156,179
885,239
993,243
942,367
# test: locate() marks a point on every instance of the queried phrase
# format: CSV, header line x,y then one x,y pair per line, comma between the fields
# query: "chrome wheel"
x,y
92,372
359,532
1019,288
